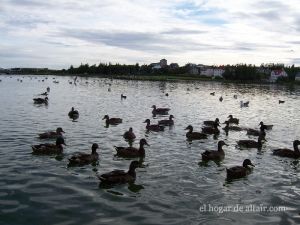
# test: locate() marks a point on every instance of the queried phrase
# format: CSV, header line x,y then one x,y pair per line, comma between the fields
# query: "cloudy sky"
x,y
58,33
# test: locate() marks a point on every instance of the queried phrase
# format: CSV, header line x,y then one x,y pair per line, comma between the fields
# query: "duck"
x,y
214,155
266,127
168,122
235,96
84,158
251,143
73,113
281,102
131,151
239,171
212,93
120,176
232,128
112,121
167,94
211,130
160,111
41,100
221,99
211,122
123,96
260,132
48,89
232,120
244,104
194,135
52,134
44,93
153,127
284,152
129,135
47,149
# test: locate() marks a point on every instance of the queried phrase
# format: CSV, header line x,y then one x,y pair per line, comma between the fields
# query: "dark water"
x,y
173,185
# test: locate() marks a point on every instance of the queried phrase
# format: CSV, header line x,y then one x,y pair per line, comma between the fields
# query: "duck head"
x,y
133,165
130,130
94,147
143,142
221,144
217,120
59,130
72,109
106,117
147,121
189,127
171,117
247,162
46,99
261,123
154,106
296,143
230,117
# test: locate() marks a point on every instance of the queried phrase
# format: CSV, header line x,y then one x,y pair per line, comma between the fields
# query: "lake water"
x,y
173,186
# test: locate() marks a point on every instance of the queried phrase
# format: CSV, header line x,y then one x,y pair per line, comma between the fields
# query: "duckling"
x,y
160,111
211,122
73,113
194,135
129,135
266,127
211,130
251,143
233,128
233,120
120,176
46,149
239,171
52,134
131,151
288,152
41,100
112,121
83,158
168,122
153,127
215,155
123,96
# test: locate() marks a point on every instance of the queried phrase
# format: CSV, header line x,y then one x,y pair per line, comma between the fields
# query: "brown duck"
x,y
160,111
168,122
194,135
251,143
239,171
153,127
129,135
52,134
131,151
47,149
112,121
120,176
84,158
215,155
284,152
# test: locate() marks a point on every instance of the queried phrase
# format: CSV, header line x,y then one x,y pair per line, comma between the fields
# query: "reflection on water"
x,y
172,182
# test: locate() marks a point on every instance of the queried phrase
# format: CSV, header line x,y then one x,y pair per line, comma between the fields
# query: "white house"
x,y
212,71
218,72
275,74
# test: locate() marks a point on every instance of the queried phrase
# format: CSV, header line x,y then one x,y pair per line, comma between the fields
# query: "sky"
x,y
59,33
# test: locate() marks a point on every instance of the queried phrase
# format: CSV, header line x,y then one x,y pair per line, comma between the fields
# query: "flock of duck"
x,y
211,127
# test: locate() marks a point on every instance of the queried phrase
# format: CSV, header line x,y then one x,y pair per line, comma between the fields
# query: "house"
x,y
212,71
163,63
275,74
155,66
174,66
218,72
193,69
297,77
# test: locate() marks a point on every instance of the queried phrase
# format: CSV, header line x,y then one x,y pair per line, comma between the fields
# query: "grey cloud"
x,y
25,22
179,31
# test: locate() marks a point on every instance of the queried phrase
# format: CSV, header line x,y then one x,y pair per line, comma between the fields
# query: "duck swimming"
x,y
194,135
251,143
131,151
232,120
112,121
160,111
52,134
41,100
215,155
244,104
120,176
260,132
80,159
123,96
168,122
153,127
231,128
211,130
284,152
211,122
266,127
239,171
47,149
129,135
73,113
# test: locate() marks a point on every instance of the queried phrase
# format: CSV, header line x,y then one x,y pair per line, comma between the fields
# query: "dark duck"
x,y
284,152
129,135
215,155
52,134
194,135
231,119
237,172
231,128
211,122
41,100
80,159
73,113
153,127
132,152
260,132
211,130
47,149
251,143
168,122
160,111
120,176
112,121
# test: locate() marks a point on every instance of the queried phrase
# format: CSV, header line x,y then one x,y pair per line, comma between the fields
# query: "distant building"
x,y
155,66
193,69
163,63
297,77
275,74
218,72
214,72
174,65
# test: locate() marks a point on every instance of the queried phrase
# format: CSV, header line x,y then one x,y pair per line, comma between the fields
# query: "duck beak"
x,y
226,144
145,121
186,128
147,144
252,165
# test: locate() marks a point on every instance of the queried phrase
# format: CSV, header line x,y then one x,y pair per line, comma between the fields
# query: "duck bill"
x,y
187,128
252,165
